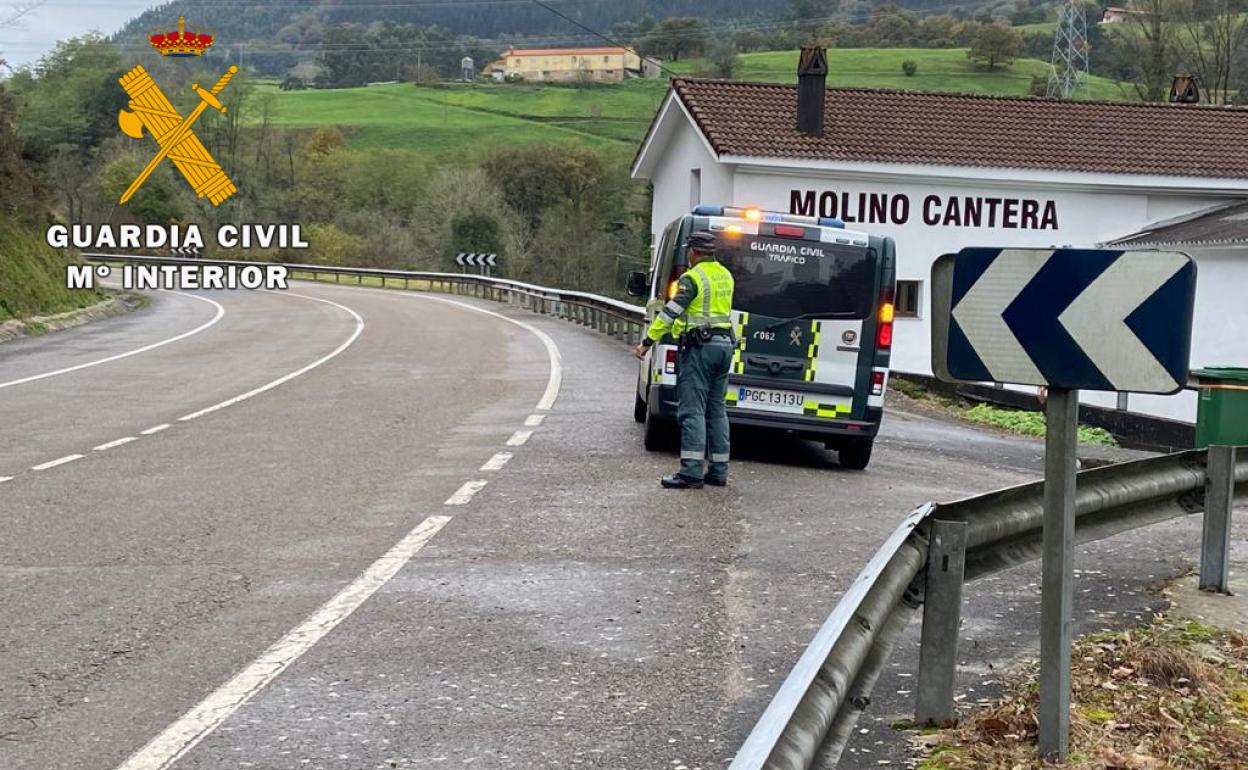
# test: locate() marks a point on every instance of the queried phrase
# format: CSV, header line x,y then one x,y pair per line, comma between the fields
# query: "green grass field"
x,y
940,69
466,121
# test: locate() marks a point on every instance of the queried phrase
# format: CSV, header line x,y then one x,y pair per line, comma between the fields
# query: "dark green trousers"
x,y
702,414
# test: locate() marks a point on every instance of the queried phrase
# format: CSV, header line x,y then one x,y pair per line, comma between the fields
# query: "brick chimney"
x,y
812,86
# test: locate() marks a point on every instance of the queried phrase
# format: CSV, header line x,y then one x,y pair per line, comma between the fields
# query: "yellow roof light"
x,y
753,215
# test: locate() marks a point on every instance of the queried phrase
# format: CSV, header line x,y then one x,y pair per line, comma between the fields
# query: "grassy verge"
x,y
1166,696
1013,420
32,277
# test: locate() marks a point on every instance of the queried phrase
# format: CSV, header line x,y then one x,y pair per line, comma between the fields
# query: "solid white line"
x,y
5,478
54,463
534,420
496,462
359,327
555,380
117,443
156,429
135,352
181,736
519,438
464,494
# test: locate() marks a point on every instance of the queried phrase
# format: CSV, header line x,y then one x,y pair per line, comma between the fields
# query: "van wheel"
x,y
639,408
856,455
658,434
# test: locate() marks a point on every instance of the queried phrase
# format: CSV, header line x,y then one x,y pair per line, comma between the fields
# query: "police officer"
x,y
699,316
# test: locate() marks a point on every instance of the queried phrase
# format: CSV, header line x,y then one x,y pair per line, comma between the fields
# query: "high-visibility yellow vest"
x,y
712,306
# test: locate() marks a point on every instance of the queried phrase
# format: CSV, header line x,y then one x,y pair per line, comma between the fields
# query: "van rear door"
x,y
800,308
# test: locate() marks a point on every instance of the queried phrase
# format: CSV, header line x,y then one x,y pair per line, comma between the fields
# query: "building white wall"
x,y
1085,216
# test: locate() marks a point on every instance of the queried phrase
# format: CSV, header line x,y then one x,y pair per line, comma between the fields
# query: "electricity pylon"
x,y
1068,73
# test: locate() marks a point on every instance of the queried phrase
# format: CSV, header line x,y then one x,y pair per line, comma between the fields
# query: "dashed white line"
x,y
117,443
464,494
156,429
5,478
127,354
56,462
359,327
534,420
181,736
496,462
519,438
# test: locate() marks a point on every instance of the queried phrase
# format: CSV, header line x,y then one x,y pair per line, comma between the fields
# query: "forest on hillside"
x,y
273,38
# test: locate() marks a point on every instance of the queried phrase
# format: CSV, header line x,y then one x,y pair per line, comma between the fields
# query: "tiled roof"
x,y
565,51
888,126
1227,224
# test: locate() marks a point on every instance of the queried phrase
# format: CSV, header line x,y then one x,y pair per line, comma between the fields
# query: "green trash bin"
x,y
1222,408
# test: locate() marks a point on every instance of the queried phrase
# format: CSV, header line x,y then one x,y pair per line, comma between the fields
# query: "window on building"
x,y
909,294
695,187
606,59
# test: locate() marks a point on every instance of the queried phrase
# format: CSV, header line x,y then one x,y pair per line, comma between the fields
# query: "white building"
x,y
939,172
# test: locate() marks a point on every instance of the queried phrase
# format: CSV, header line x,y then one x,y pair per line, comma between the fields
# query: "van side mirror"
x,y
638,283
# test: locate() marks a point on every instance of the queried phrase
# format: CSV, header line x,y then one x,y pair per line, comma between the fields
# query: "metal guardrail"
x,y
612,317
924,563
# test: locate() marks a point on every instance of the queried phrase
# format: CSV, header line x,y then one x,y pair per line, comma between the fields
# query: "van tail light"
x,y
884,338
877,383
886,328
669,361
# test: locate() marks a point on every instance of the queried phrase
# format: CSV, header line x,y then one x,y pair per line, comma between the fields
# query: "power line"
x,y
596,33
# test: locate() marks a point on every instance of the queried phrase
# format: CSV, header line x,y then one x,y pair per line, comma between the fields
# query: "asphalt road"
x,y
308,572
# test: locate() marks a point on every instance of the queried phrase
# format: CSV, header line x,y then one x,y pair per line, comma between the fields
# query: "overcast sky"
x,y
36,33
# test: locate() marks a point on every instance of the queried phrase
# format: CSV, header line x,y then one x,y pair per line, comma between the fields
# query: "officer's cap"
x,y
702,240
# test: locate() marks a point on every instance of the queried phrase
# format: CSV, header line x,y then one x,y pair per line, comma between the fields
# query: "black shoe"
x,y
717,481
676,481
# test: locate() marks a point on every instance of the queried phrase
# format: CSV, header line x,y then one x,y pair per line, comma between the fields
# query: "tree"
x,y
533,178
995,44
909,67
674,37
724,60
1149,47
1212,40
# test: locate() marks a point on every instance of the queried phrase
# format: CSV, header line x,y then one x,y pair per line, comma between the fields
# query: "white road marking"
x,y
519,438
181,736
464,494
496,462
117,443
534,420
135,352
359,327
555,380
5,478
56,462
154,430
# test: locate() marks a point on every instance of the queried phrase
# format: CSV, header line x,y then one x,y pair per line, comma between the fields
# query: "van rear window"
x,y
783,278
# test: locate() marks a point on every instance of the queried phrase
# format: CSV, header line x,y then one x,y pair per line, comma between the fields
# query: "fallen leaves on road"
x,y
1167,696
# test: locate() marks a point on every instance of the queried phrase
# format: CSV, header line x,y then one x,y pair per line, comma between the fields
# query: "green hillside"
x,y
940,69
465,121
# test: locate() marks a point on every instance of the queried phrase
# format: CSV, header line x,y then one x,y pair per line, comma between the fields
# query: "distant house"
x,y
566,64
1114,14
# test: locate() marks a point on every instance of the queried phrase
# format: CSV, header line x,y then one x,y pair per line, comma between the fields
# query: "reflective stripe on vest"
x,y
714,300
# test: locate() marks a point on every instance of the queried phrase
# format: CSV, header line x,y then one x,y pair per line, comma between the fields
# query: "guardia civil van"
x,y
813,318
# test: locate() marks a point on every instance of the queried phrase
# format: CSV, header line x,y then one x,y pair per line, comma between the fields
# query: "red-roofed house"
x,y
939,172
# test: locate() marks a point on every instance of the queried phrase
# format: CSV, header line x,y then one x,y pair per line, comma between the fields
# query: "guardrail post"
x,y
942,619
1215,540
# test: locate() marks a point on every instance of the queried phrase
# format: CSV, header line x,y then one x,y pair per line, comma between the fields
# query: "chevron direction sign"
x,y
1080,319
466,259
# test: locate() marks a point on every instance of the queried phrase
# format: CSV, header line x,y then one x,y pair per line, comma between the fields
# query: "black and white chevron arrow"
x,y
186,251
467,259
1088,319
